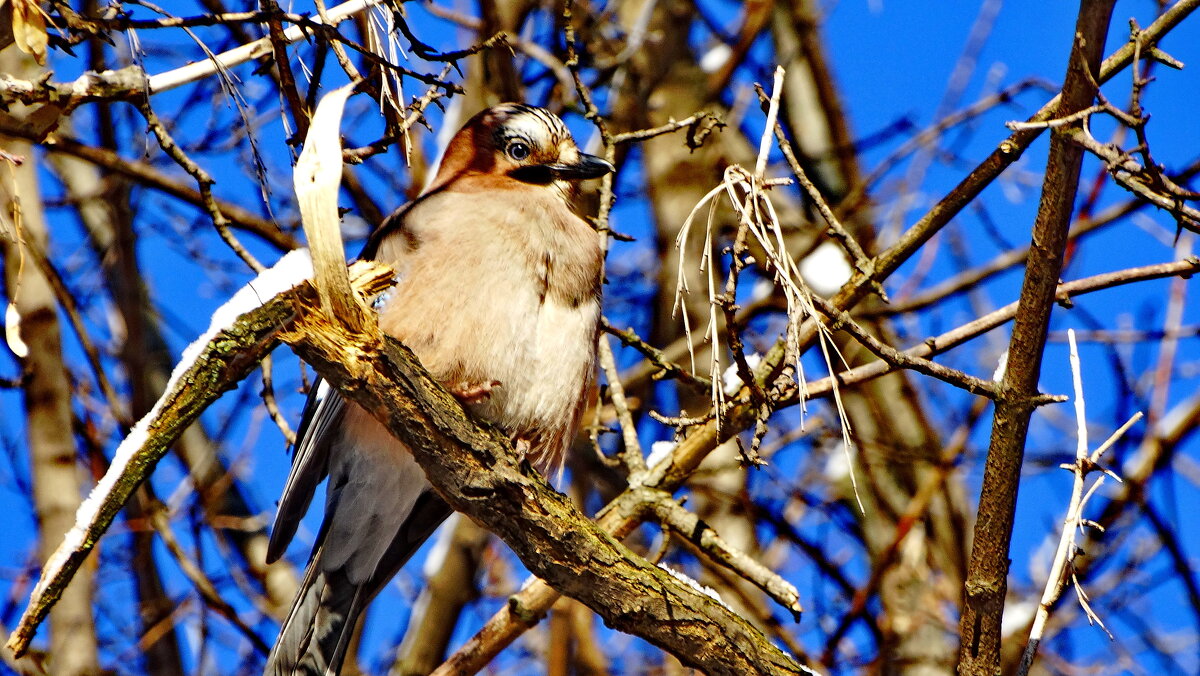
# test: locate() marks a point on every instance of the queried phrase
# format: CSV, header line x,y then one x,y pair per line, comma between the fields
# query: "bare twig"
x,y
853,249
259,48
158,518
268,397
898,359
203,180
667,368
689,526
986,582
957,336
1074,523
696,121
1147,182
635,462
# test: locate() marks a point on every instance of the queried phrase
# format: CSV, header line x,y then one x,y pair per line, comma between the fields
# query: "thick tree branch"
x,y
476,470
230,354
987,573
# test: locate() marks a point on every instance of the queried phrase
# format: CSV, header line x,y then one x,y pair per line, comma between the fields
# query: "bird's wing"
x,y
379,510
310,463
379,507
314,638
319,423
322,416
390,226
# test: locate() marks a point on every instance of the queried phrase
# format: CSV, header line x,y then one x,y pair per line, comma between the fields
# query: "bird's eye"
x,y
518,151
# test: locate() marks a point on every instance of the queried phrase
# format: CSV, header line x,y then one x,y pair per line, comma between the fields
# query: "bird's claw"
x,y
473,393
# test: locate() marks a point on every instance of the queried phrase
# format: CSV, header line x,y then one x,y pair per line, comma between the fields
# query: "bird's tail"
x,y
316,634
317,631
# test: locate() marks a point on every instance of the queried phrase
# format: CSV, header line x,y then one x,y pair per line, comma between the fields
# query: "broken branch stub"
x,y
317,178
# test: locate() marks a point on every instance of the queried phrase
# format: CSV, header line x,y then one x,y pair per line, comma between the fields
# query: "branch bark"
x,y
986,584
476,470
231,353
104,209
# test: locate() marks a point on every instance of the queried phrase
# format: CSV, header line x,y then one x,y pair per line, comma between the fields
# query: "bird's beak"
x,y
588,166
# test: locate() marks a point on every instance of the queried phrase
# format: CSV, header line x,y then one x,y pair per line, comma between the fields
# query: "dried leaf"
x,y
12,331
29,29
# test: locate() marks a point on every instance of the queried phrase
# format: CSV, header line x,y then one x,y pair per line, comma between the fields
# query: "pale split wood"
x,y
317,178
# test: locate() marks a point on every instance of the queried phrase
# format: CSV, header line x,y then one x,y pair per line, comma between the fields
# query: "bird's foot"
x,y
473,393
522,446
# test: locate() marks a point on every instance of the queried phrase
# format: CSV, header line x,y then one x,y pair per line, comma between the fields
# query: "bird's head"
x,y
525,143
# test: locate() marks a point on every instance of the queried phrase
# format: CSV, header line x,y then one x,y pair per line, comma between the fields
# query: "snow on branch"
x,y
242,332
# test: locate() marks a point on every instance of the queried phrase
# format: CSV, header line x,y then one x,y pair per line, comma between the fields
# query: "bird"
x,y
498,294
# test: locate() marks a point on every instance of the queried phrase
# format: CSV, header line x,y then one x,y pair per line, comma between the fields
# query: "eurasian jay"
x,y
498,295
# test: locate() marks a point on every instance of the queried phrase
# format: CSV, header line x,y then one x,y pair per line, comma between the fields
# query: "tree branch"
x,y
987,572
475,469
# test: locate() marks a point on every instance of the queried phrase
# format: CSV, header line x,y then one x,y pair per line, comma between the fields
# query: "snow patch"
x,y
1001,367
714,58
826,269
837,464
293,269
1017,617
659,451
696,586
731,381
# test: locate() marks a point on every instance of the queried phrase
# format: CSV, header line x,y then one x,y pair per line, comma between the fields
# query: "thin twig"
x,y
695,120
853,249
953,338
899,359
1074,522
204,182
635,461
667,368
262,47
200,581
268,397
690,527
